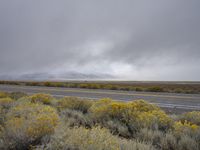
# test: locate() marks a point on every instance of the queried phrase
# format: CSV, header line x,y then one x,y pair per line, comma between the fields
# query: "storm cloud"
x,y
126,39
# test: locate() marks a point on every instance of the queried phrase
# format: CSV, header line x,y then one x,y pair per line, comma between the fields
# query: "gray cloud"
x,y
129,39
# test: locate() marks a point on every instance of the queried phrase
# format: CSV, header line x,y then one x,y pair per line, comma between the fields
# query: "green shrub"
x,y
107,86
72,85
94,86
47,83
27,123
74,103
2,115
114,87
86,124
167,141
156,119
155,89
3,95
57,84
117,128
178,90
99,109
32,83
75,118
185,127
138,89
135,115
2,146
83,86
142,106
17,95
41,98
6,103
193,117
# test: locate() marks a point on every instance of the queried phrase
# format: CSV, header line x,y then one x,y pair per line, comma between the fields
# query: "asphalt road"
x,y
165,100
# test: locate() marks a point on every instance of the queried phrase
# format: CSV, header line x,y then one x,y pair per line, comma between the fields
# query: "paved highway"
x,y
166,100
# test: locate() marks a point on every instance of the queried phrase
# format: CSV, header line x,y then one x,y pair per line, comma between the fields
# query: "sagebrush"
x,y
41,121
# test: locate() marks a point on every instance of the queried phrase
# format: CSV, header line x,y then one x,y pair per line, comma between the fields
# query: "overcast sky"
x,y
129,39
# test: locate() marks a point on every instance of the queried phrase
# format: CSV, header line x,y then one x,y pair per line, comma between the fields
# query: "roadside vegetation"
x,y
41,122
170,87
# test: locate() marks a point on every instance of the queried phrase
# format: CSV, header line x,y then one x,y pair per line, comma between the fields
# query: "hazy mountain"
x,y
56,76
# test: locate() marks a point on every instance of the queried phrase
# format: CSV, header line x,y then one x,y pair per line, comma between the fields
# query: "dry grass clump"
x,y
168,142
151,136
82,139
135,145
74,103
187,143
26,124
96,138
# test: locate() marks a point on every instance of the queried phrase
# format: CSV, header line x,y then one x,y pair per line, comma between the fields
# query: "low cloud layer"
x,y
129,39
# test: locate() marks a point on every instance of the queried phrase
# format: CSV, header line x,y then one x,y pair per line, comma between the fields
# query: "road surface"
x,y
165,100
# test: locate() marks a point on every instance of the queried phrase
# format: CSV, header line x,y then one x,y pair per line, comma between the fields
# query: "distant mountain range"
x,y
56,76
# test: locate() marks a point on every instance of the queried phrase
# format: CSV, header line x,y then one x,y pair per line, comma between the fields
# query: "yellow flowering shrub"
x,y
29,122
74,103
6,102
142,106
101,108
86,124
182,127
153,119
193,117
138,114
118,109
100,103
41,98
